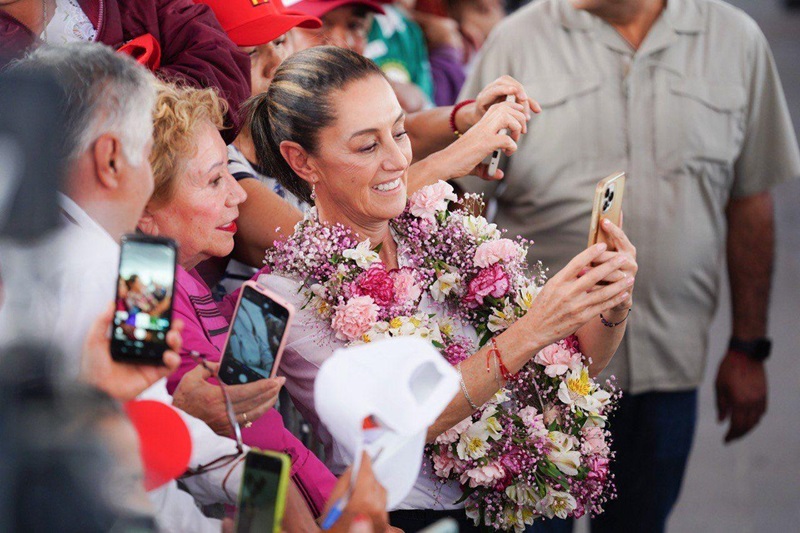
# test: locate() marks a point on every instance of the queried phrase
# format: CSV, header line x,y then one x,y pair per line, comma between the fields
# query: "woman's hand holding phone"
x,y
620,246
464,157
203,400
120,380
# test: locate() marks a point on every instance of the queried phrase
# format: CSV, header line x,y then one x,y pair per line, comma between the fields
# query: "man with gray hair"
x,y
56,289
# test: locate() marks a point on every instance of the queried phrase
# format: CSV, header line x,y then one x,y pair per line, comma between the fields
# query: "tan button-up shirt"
x,y
695,116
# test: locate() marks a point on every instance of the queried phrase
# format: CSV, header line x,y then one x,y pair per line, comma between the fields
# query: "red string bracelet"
x,y
507,375
453,116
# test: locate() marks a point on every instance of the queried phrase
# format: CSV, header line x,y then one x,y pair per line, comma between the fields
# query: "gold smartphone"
x,y
607,204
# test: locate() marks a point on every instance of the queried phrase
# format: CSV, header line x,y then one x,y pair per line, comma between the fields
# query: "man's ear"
x,y
108,160
147,223
297,157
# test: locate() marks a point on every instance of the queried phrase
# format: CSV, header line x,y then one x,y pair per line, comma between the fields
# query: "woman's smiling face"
x,y
362,158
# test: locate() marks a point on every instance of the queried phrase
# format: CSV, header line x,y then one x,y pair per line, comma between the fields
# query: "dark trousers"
x,y
418,519
653,435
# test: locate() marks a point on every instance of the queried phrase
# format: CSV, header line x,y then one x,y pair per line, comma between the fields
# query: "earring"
x,y
313,192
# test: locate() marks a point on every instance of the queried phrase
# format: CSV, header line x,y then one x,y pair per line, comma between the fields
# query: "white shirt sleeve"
x,y
176,511
206,447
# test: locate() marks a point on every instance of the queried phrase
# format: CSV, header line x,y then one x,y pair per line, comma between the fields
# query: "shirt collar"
x,y
684,16
75,215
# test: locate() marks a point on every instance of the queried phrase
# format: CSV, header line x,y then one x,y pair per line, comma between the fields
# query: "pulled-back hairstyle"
x,y
178,112
297,105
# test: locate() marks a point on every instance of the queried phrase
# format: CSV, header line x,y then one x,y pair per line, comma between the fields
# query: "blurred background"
x,y
754,484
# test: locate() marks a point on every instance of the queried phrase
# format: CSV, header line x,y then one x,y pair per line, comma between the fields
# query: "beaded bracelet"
x,y
464,388
507,375
453,116
608,324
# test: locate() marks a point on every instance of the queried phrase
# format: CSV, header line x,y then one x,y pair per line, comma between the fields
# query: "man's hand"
x,y
741,393
205,401
123,381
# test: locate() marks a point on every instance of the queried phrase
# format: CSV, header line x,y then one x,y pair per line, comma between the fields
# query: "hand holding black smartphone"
x,y
145,288
257,336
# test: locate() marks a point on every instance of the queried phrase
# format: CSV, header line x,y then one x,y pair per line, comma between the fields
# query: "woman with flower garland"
x,y
196,202
369,263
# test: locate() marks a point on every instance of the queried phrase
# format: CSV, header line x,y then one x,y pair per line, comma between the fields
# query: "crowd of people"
x,y
222,124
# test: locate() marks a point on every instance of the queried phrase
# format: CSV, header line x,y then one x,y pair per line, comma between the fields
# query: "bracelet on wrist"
x,y
507,375
464,388
610,324
453,116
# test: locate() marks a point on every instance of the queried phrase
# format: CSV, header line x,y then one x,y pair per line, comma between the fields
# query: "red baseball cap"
x,y
164,441
318,8
257,22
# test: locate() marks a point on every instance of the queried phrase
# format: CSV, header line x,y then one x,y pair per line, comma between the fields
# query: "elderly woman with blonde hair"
x,y
196,203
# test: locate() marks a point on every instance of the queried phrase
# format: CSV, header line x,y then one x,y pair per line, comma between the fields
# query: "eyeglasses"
x,y
225,460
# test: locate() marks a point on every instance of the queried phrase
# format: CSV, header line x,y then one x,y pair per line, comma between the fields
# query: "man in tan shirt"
x,y
684,97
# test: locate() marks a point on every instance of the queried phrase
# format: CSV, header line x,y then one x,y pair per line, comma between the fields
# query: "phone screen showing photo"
x,y
259,497
144,299
254,338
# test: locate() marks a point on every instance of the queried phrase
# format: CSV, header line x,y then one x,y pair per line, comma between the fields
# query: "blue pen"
x,y
335,512
338,508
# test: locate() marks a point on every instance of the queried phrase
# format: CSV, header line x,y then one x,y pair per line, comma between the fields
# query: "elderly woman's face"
x,y
201,214
363,158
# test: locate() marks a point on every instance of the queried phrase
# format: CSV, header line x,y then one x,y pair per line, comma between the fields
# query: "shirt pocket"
x,y
699,122
569,120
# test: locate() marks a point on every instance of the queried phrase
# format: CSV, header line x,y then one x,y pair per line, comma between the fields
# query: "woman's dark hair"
x,y
297,105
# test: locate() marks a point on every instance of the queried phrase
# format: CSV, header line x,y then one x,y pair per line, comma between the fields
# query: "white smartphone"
x,y
494,159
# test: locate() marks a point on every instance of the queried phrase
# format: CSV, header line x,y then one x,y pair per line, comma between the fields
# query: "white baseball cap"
x,y
402,385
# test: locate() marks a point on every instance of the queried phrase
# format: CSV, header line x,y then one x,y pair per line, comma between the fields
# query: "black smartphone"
x,y
257,336
145,286
262,498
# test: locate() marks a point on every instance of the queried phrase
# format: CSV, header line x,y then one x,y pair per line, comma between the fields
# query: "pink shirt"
x,y
206,328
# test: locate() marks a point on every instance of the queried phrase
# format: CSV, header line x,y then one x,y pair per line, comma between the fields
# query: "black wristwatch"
x,y
757,349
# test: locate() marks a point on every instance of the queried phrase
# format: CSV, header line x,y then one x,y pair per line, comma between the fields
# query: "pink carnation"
x,y
534,420
492,281
354,318
492,252
428,200
376,283
594,441
557,360
598,468
405,285
483,476
443,464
